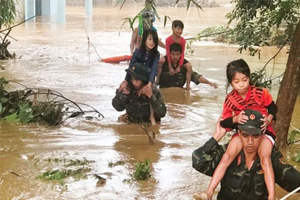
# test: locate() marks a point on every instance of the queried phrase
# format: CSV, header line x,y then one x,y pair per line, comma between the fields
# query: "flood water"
x,y
57,56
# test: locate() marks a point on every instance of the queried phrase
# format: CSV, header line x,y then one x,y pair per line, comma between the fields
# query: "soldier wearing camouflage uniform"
x,y
136,101
244,178
179,79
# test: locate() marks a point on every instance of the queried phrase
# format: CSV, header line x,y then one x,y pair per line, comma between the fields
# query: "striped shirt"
x,y
256,99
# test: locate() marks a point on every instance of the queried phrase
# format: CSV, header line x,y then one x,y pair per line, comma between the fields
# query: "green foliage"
x,y
142,170
297,157
61,174
217,34
292,136
78,162
17,106
7,12
49,112
292,140
112,164
258,79
71,162
150,5
258,19
264,23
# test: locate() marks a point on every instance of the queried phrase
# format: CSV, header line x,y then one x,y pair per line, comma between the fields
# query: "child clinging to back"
x,y
177,28
148,55
246,96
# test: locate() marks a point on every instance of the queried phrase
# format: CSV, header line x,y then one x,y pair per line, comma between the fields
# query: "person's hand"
x,y
201,196
241,118
147,90
171,71
124,87
177,70
219,130
266,123
209,194
214,85
187,88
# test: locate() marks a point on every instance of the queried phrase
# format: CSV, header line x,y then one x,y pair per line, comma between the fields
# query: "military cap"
x,y
139,71
253,125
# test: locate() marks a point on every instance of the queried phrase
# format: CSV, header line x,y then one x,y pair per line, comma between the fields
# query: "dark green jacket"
x,y
138,107
239,182
177,80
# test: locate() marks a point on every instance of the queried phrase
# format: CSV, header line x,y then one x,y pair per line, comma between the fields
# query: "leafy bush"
x,y
7,12
142,170
25,106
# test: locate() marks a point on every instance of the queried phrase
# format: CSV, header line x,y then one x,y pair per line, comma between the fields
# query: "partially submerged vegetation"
x,y
113,164
142,170
60,175
40,106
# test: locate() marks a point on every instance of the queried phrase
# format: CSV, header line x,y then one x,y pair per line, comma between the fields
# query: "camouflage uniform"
x,y
239,182
138,107
177,80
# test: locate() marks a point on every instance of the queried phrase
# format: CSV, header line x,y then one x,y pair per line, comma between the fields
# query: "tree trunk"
x,y
288,91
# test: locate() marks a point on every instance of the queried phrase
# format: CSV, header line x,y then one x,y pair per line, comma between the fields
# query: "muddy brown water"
x,y
58,57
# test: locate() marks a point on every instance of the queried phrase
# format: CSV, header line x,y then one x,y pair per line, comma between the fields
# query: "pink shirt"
x,y
170,41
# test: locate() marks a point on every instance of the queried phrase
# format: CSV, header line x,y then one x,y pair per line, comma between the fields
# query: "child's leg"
x,y
233,149
162,60
188,67
264,152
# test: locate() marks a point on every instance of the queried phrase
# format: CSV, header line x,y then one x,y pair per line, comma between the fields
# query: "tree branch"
x,y
18,24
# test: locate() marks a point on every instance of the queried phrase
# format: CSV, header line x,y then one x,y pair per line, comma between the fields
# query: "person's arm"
x,y
272,110
227,116
169,41
206,158
286,176
157,103
161,44
268,102
133,60
133,39
205,81
182,42
119,101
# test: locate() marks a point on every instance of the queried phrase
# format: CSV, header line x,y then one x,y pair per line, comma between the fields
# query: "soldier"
x,y
166,80
244,178
137,99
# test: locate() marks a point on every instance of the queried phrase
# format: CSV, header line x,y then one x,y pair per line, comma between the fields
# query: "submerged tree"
x,y
40,106
256,21
7,16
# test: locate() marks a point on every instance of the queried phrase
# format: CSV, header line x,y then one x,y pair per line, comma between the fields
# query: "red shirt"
x,y
256,99
170,41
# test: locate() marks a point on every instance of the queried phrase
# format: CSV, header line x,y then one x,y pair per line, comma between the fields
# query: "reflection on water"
x,y
59,57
